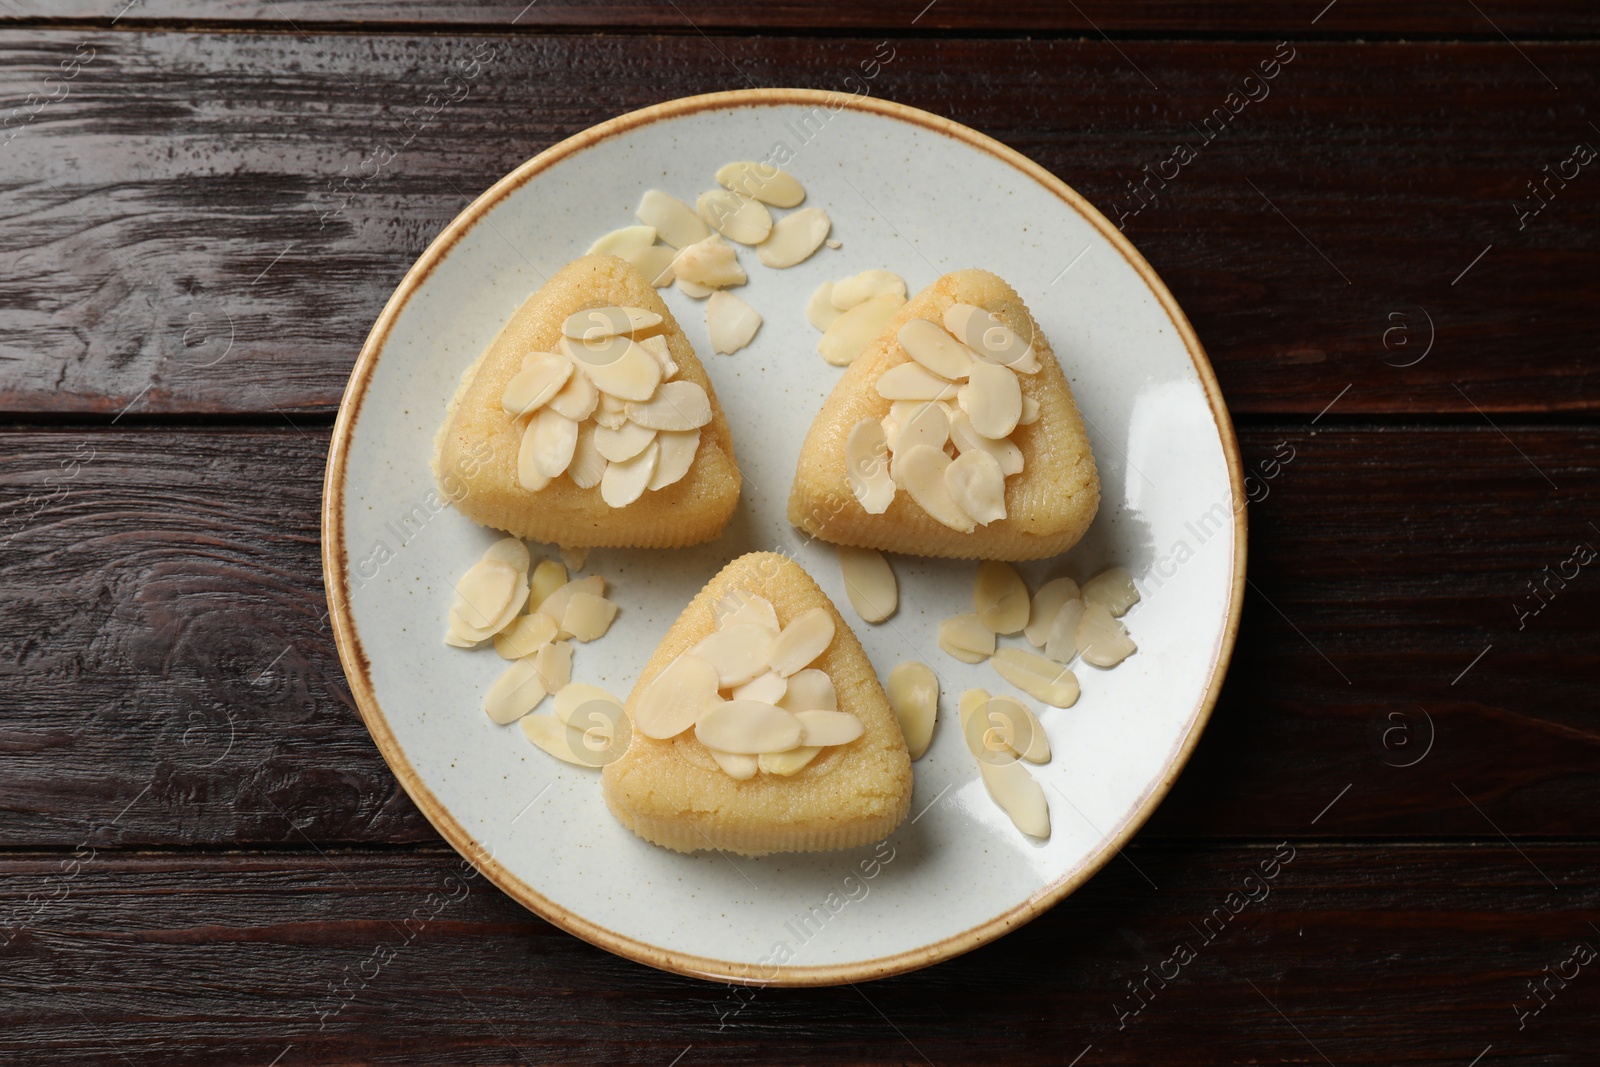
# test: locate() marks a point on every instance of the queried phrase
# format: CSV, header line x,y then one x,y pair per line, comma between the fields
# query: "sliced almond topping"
x,y
709,264
736,765
515,693
738,652
1019,796
738,218
913,381
1004,451
553,663
914,695
655,263
761,181
794,238
588,465
820,311
695,291
676,406
623,443
1114,588
555,605
825,728
554,438
488,596
742,606
748,727
1040,678
529,476
786,763
1024,732
1103,640
768,688
575,702
678,448
588,617
807,636
854,330
966,638
866,466
992,399
618,366
731,322
548,576
576,399
1030,412
927,342
923,468
859,288
557,738
596,324
868,582
1046,602
978,486
676,697
625,482
1000,597
989,338
627,239
526,635
541,377
656,345
810,690
1061,643
675,222
611,412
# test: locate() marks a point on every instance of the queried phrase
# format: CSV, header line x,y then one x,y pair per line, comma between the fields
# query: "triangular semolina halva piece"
x,y
1039,510
676,793
484,453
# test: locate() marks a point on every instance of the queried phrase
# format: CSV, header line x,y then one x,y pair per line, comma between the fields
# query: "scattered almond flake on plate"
x,y
675,222
859,288
914,695
583,706
554,604
1046,602
869,582
1000,597
1041,678
548,576
966,638
516,692
820,311
574,558
1024,731
693,290
738,218
708,264
852,331
834,242
588,617
1018,795
525,636
1061,642
763,182
1103,640
655,263
731,322
1114,587
794,238
627,239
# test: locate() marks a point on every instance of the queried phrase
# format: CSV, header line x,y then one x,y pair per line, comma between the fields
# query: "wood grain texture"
x,y
179,241
170,680
1364,955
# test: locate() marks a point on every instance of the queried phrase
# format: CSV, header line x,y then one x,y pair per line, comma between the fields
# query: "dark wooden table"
x,y
1393,257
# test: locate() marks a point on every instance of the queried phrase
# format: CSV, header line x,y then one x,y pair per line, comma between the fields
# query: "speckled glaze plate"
x,y
910,192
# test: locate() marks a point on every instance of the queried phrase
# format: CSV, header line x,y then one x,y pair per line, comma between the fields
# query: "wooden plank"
x,y
1359,955
170,678
179,238
1029,16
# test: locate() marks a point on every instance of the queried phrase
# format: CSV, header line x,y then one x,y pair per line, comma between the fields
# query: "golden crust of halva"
x,y
475,452
1049,504
673,794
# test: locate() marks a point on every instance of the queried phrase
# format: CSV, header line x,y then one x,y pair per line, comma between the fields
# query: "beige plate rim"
x,y
356,665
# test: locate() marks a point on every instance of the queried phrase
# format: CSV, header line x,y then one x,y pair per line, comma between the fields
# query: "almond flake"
x,y
548,576
978,486
526,635
676,697
1024,731
656,345
709,264
596,324
966,439
655,263
913,381
611,412
515,693
1019,796
554,438
822,729
736,765
731,322
924,468
678,448
849,335
743,606
738,652
695,291
588,617
574,557
555,605
510,551
966,638
627,239
1102,640
992,399
488,597
807,636
625,482
820,311
541,377
738,218
529,476
920,422
1040,678
990,339
927,342
575,702
866,452
1000,597
675,222
868,582
1114,588
768,688
588,465
1061,643
623,443
618,366
1030,411
810,690
553,662
763,182
748,727
787,763
794,238
1046,602
990,729
676,406
555,737
914,695
577,399
859,288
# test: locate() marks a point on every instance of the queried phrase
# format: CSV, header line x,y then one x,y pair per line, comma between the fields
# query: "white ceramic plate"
x,y
918,195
